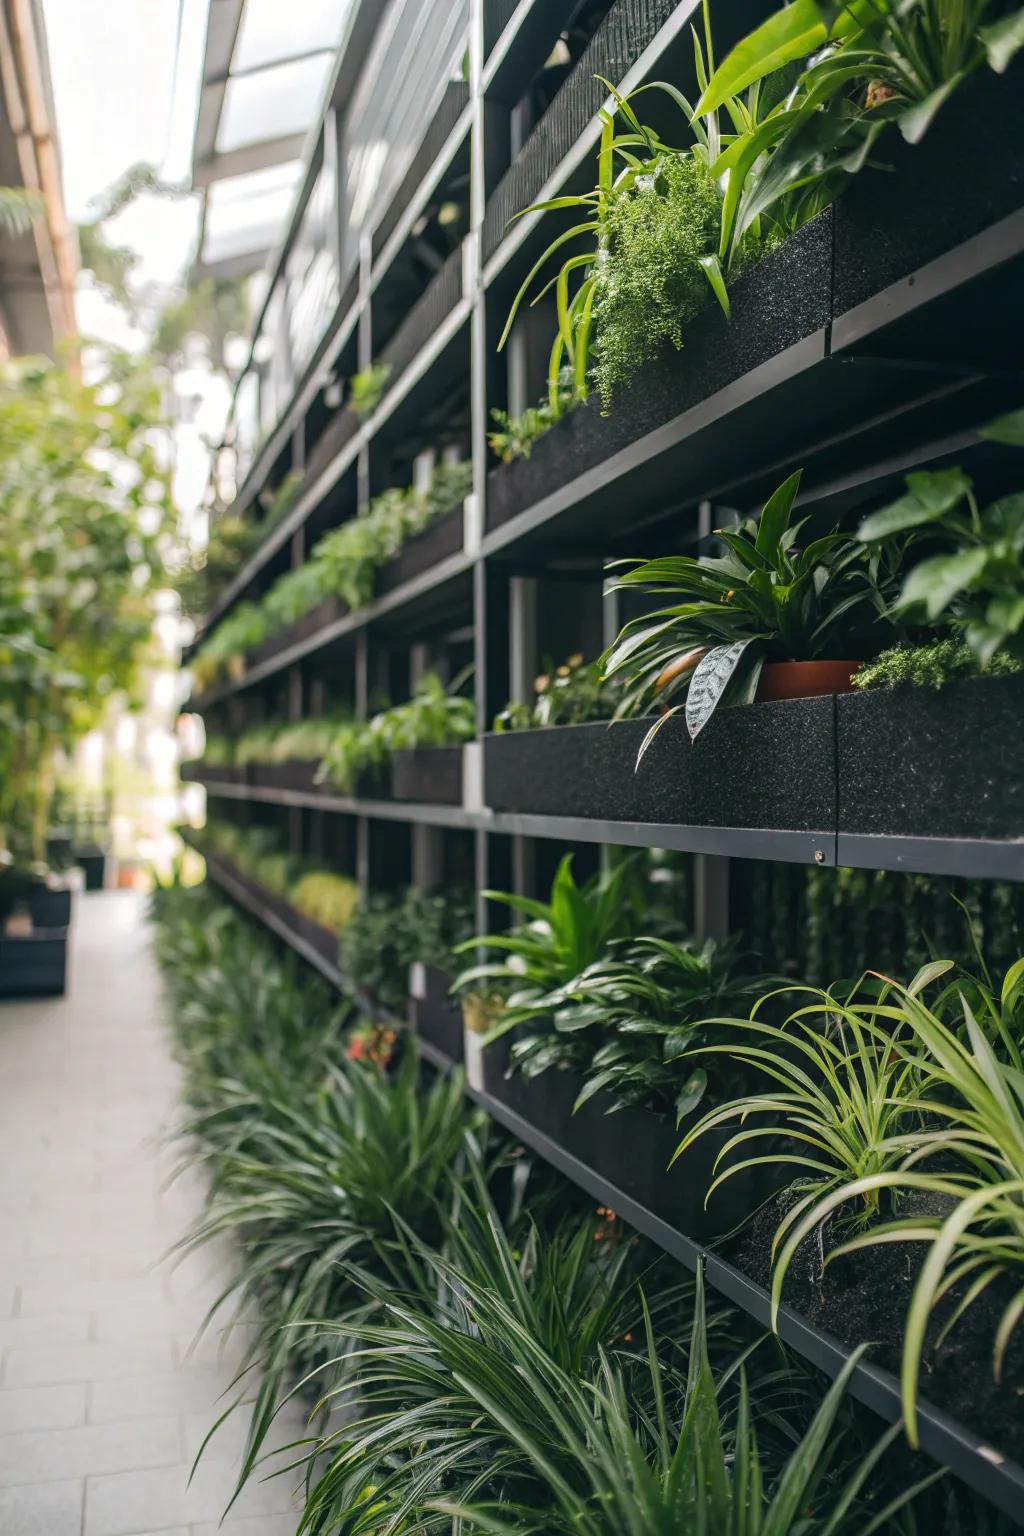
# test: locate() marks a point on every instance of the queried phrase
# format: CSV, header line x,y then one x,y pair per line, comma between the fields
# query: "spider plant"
x,y
975,1102
850,1107
628,1022
562,937
607,1470
769,597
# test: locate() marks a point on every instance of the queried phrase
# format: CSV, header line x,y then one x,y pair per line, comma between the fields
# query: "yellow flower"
x,y
541,683
576,660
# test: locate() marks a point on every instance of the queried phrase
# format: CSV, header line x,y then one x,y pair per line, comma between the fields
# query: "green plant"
x,y
929,666
391,930
86,540
849,1105
767,598
326,898
975,1102
515,436
435,716
561,939
873,60
366,389
629,1023
570,694
974,587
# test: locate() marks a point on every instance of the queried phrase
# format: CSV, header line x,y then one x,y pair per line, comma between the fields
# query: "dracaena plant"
x,y
975,583
559,939
772,596
629,1022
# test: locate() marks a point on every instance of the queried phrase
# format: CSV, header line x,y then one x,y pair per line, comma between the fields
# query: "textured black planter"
x,y
428,775
937,194
35,964
784,298
204,773
92,861
327,612
297,775
632,1148
427,549
947,762
437,1016
49,908
316,936
764,765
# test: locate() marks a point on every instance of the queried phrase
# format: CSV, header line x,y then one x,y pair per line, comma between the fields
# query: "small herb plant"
x,y
435,716
326,898
767,598
570,694
390,931
559,940
366,389
974,586
514,436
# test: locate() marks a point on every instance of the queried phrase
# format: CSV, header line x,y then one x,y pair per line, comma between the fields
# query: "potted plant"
x,y
774,617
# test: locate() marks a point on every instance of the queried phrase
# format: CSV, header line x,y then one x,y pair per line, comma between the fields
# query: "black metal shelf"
x,y
455,816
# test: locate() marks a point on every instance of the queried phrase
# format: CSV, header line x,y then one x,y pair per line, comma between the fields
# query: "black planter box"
x,y
203,773
760,765
49,908
947,762
92,861
936,194
783,299
35,964
327,612
427,549
631,1148
428,775
297,775
437,1016
321,939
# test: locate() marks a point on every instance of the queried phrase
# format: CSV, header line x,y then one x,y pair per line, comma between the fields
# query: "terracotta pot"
x,y
804,679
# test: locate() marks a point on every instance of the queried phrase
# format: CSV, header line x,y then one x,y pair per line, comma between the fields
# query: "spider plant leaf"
x,y
556,245
712,269
929,973
915,121
1002,39
709,682
791,33
1011,981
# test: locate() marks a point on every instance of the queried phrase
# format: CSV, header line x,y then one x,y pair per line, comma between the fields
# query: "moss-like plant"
x,y
326,898
366,389
930,666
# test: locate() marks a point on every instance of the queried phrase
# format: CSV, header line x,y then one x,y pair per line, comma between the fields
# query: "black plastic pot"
x,y
947,762
763,765
205,773
297,775
327,612
786,297
966,174
436,1016
428,775
316,936
436,543
49,908
34,964
92,861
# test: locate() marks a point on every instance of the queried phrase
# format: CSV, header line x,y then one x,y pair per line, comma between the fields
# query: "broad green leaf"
x,y
1006,429
929,495
775,517
934,583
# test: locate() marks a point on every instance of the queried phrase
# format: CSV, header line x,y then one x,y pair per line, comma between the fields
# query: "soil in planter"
x,y
865,1297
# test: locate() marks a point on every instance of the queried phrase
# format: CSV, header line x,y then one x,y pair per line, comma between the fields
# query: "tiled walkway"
x,y
102,1404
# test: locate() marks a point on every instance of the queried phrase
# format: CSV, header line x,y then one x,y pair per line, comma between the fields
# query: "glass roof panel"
x,y
247,213
273,30
273,102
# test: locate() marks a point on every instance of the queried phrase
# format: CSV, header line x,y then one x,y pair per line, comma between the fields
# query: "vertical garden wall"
x,y
610,668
